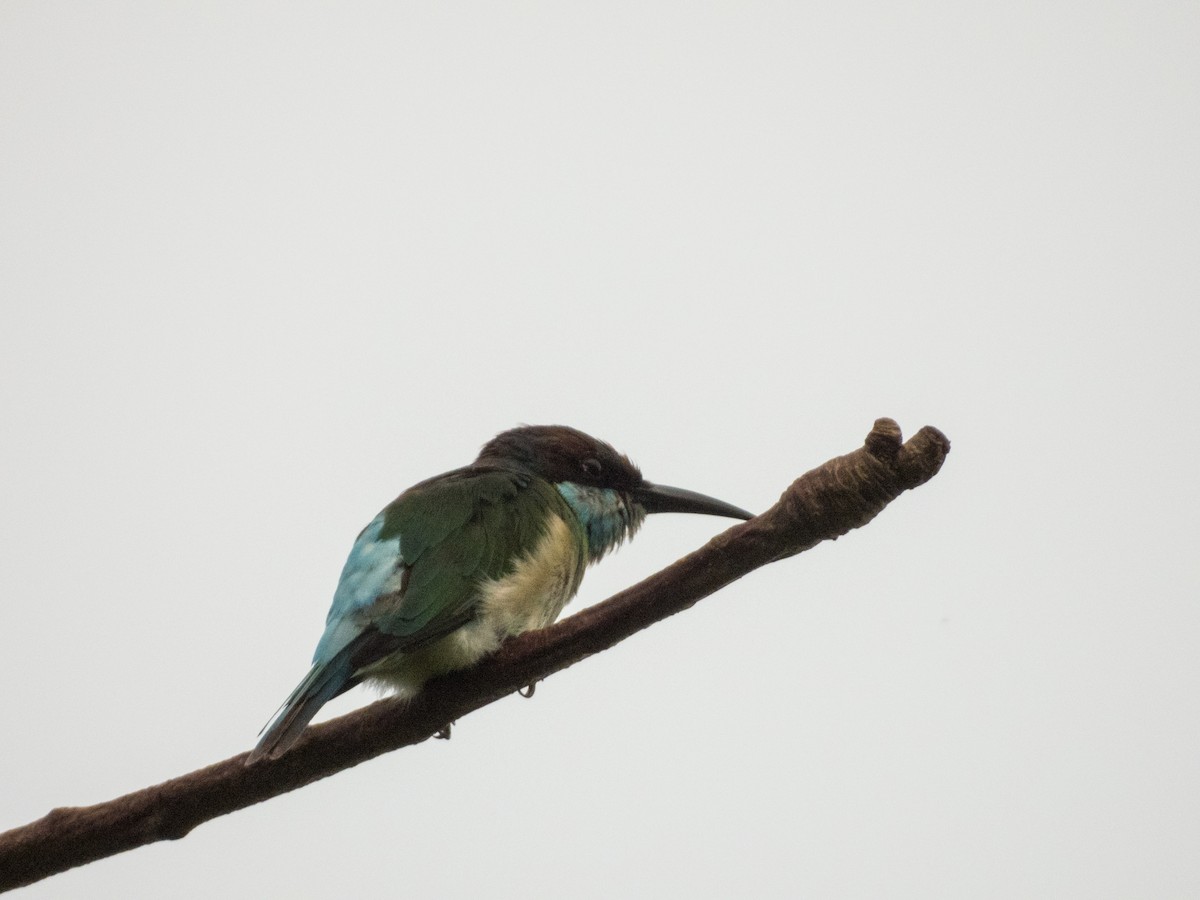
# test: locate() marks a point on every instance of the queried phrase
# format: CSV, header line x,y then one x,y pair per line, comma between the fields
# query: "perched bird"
x,y
460,562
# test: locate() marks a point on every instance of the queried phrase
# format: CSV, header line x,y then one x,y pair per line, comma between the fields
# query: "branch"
x,y
844,493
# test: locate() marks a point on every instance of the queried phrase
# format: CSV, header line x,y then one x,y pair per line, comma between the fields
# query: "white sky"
x,y
263,265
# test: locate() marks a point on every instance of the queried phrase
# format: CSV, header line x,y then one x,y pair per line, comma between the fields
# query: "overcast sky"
x,y
264,265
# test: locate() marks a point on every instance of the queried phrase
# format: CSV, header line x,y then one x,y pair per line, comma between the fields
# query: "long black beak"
x,y
658,498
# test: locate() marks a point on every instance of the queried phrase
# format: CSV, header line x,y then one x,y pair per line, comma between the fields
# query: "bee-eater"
x,y
458,563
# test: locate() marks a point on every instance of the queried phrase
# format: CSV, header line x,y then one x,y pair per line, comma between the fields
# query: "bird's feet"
x,y
528,690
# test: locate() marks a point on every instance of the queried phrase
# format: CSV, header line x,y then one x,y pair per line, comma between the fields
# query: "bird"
x,y
462,561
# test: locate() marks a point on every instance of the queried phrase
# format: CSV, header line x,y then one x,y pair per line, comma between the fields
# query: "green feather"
x,y
456,532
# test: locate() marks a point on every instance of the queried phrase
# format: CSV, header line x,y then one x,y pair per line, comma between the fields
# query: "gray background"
x,y
263,265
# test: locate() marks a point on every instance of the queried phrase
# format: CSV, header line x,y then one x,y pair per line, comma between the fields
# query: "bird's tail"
x,y
324,681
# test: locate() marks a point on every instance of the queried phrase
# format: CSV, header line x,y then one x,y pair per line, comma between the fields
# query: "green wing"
x,y
453,533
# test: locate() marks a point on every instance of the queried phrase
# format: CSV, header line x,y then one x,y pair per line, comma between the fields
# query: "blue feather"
x,y
607,517
323,682
374,567
370,570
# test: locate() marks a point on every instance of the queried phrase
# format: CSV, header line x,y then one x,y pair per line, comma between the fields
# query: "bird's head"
x,y
606,490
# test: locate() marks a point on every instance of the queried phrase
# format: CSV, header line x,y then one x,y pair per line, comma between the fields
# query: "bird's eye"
x,y
591,468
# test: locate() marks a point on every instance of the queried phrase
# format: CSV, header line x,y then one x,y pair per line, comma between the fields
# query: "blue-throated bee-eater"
x,y
460,562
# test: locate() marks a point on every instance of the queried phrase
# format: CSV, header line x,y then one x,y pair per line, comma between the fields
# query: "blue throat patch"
x,y
607,517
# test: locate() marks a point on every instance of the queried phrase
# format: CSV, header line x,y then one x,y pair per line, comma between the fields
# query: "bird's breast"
x,y
534,593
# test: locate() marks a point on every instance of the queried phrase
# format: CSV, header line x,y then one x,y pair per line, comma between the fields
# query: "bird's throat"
x,y
608,517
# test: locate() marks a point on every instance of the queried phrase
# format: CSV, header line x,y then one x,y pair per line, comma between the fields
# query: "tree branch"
x,y
844,493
